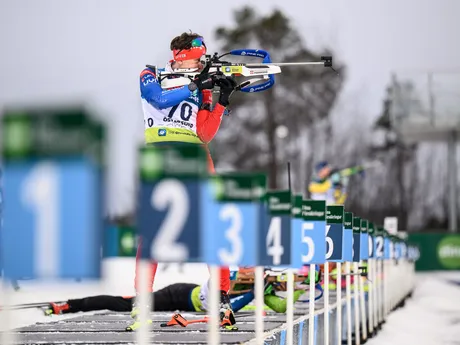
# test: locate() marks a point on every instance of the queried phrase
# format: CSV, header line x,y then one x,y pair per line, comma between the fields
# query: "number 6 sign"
x,y
334,233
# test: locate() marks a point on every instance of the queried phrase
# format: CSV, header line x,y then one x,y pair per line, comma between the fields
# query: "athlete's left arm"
x,y
207,121
279,304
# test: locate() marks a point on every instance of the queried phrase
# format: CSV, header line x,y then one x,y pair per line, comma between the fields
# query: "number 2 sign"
x,y
173,181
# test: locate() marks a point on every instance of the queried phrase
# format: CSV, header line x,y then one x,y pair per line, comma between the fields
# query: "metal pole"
x,y
452,178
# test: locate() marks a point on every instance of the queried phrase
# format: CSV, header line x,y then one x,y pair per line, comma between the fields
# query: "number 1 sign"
x,y
52,188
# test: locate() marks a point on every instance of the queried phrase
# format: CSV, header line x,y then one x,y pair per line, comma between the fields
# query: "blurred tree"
x,y
396,184
268,128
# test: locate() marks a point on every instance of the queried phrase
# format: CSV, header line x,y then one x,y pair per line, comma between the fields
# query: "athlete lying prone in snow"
x,y
182,297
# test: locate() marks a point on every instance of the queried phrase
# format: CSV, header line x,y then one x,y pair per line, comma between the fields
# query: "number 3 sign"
x,y
232,206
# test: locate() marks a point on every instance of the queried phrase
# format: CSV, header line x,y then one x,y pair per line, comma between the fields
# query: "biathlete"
x,y
184,115
182,297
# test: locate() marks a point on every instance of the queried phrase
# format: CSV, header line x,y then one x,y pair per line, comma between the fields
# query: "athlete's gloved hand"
x,y
227,86
204,81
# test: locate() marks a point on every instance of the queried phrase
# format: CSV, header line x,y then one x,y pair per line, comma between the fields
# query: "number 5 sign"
x,y
302,247
309,237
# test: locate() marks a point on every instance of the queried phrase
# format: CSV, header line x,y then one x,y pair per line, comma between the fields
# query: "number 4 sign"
x,y
275,232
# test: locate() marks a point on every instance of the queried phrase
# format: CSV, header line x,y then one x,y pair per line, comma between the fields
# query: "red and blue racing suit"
x,y
178,115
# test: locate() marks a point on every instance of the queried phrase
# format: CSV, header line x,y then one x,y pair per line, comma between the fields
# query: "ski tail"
x,y
27,305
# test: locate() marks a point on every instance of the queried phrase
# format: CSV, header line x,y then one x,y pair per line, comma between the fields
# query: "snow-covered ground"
x,y
118,279
431,317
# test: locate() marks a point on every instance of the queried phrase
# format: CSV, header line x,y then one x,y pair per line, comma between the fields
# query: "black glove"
x,y
202,82
227,86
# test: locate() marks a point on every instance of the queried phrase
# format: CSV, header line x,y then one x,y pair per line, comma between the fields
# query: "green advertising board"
x,y
438,251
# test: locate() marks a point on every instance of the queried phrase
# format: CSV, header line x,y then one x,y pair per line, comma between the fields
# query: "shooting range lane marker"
x,y
356,304
290,285
362,298
370,294
311,306
213,305
348,299
144,303
290,307
339,303
6,316
260,304
326,302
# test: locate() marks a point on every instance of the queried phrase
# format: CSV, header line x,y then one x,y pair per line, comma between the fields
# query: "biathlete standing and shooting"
x,y
184,114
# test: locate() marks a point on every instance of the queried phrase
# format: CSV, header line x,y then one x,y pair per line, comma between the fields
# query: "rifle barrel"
x,y
286,63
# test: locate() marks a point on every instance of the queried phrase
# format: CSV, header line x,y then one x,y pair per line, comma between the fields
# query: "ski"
x,y
27,305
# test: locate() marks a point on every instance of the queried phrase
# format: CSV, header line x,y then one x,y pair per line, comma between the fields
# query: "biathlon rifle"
x,y
353,170
252,72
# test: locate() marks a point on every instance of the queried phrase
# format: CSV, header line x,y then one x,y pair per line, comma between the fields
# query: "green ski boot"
x,y
135,314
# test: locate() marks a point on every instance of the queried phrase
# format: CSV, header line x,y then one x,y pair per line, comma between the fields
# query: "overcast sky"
x,y
93,50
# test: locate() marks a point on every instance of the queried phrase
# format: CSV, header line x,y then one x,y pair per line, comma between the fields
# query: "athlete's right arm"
x,y
152,92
